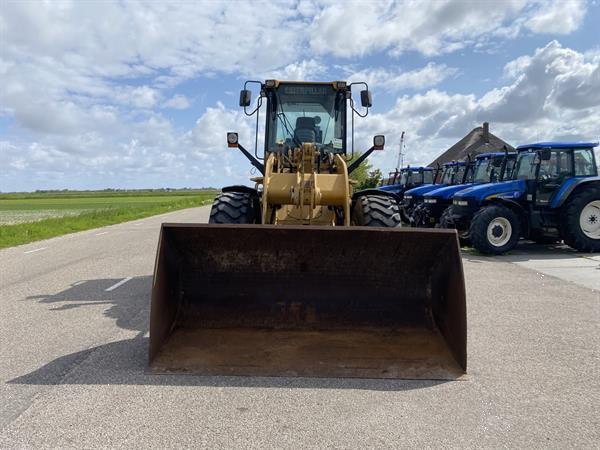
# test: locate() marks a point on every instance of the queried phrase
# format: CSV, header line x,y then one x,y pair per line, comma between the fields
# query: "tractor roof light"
x,y
341,85
271,83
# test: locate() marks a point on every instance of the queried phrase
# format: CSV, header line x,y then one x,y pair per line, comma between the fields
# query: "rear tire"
x,y
235,208
494,230
447,222
376,211
580,220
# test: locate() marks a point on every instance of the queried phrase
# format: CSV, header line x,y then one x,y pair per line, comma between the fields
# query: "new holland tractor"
x,y
453,173
488,168
408,178
554,195
292,276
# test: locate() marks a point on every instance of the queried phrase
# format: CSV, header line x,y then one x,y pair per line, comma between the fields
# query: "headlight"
x,y
460,202
408,197
430,200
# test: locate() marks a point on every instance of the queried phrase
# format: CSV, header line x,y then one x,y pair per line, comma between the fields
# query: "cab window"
x,y
584,162
557,168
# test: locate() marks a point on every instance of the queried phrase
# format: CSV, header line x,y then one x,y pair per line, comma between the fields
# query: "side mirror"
x,y
366,100
245,97
378,141
545,154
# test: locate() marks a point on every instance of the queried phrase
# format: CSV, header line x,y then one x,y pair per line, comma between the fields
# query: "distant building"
x,y
478,141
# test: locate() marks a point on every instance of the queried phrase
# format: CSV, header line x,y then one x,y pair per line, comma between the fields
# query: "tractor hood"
x,y
445,193
421,190
392,188
512,189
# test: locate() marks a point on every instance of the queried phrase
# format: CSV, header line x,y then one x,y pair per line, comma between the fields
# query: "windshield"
x,y
307,113
428,177
487,170
447,174
526,166
411,176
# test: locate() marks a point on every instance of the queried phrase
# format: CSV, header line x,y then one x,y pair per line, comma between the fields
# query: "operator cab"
x,y
546,166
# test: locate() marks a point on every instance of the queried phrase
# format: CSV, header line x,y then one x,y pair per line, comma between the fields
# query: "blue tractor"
x,y
408,178
453,173
489,168
554,195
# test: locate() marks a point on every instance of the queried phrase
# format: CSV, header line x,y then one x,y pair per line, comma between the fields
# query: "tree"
x,y
363,175
373,179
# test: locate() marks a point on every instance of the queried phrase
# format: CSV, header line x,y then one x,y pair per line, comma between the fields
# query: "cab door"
x,y
556,166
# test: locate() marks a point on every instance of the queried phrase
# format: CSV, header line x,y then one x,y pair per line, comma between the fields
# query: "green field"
x,y
27,217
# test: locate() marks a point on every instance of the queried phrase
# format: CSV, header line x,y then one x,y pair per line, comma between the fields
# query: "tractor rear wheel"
x,y
494,230
447,222
376,211
580,220
235,208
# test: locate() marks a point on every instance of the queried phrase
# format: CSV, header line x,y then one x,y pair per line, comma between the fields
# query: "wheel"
x,y
580,220
494,230
447,222
235,207
376,211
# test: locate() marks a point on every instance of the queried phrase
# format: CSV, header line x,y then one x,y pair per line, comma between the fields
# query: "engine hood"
x,y
447,191
504,189
421,190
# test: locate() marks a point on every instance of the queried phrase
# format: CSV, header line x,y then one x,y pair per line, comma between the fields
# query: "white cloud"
x,y
88,84
557,17
554,95
425,77
178,101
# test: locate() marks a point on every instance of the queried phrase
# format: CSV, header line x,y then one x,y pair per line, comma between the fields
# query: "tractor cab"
x,y
549,169
408,178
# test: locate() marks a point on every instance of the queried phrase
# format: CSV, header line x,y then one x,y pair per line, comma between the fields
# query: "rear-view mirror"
x,y
245,97
365,99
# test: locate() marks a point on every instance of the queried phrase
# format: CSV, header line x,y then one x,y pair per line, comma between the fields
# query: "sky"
x,y
128,94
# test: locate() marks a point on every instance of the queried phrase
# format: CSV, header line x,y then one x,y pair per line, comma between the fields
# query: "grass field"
x,y
27,217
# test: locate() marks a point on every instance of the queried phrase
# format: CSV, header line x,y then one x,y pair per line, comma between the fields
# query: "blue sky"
x,y
140,94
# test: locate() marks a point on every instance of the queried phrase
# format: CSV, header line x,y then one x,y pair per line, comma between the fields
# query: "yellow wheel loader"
x,y
301,276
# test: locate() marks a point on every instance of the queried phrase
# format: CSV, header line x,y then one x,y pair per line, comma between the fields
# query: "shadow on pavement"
x,y
126,362
126,302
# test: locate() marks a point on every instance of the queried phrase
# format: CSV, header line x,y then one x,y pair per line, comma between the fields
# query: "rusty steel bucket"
x,y
308,301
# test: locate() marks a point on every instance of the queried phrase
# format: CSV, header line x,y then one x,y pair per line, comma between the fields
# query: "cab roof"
x,y
493,154
416,168
541,145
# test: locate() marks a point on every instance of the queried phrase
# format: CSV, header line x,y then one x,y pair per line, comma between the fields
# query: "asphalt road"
x,y
73,333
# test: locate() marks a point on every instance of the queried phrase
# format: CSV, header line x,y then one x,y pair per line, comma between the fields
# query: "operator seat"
x,y
306,129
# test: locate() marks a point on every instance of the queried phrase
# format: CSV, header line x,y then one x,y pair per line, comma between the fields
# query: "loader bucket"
x,y
308,301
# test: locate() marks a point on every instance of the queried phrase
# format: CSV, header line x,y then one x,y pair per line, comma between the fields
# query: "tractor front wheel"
x,y
235,208
447,222
376,211
580,220
494,230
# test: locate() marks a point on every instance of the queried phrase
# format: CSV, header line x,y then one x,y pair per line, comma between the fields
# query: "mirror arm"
x,y
252,159
352,167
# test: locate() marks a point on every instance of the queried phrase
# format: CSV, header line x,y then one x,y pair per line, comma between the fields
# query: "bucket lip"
x,y
408,230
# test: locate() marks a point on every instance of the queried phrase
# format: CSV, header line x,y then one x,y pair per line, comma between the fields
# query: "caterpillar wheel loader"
x,y
301,276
